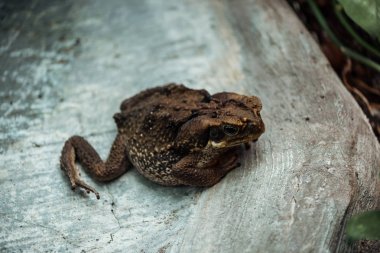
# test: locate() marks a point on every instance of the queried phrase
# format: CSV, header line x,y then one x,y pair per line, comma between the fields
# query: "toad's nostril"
x,y
250,126
255,127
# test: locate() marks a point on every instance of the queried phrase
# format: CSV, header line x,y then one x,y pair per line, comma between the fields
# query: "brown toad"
x,y
172,135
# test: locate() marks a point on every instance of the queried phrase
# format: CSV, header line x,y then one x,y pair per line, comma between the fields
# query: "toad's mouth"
x,y
224,144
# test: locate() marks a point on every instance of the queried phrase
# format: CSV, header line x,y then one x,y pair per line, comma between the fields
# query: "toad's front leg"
x,y
78,149
190,171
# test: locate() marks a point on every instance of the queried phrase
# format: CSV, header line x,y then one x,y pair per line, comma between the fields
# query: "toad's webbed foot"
x,y
79,183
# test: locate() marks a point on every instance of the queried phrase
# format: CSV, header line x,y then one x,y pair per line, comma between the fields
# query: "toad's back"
x,y
150,122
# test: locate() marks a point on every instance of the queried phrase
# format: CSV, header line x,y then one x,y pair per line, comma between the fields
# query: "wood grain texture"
x,y
66,65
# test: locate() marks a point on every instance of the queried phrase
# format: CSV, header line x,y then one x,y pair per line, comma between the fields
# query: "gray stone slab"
x,y
66,65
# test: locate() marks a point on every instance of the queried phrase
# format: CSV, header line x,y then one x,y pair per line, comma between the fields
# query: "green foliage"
x,y
347,51
364,226
365,13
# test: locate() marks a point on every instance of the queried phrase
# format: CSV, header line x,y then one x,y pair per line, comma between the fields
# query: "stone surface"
x,y
66,65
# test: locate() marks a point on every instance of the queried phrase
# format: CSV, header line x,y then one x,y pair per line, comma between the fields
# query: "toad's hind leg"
x,y
78,149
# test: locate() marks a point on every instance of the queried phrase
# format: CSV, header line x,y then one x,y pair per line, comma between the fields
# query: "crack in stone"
x,y
113,206
64,237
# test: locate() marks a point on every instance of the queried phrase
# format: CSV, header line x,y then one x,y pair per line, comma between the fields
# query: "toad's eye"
x,y
230,130
215,133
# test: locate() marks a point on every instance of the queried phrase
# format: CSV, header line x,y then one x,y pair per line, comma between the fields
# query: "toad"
x,y
172,135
